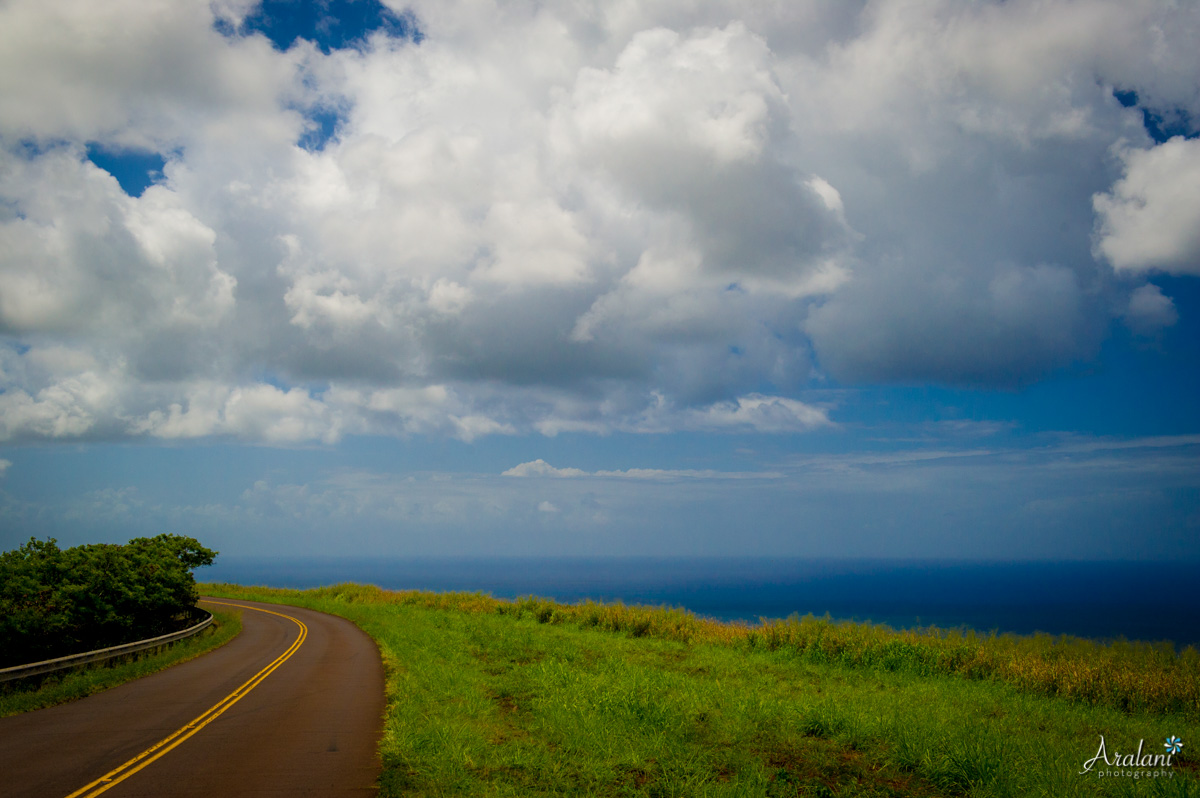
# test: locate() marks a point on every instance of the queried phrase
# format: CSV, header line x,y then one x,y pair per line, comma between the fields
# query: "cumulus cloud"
x,y
540,468
4,466
759,413
1150,310
83,257
1150,219
580,217
147,74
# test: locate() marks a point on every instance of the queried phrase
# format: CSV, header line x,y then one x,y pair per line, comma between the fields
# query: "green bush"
x,y
55,602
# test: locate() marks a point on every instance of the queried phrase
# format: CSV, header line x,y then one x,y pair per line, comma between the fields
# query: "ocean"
x,y
1101,600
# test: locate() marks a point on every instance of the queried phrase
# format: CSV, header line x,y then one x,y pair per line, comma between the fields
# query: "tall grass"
x,y
1130,676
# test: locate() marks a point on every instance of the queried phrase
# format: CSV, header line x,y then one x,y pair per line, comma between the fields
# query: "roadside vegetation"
x,y
55,602
59,687
532,697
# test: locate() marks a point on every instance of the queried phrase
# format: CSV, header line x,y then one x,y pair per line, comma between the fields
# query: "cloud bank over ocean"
x,y
500,219
822,278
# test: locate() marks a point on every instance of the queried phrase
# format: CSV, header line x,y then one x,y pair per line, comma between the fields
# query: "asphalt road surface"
x,y
267,717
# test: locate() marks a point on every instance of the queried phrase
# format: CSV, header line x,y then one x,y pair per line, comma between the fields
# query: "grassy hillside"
x,y
487,697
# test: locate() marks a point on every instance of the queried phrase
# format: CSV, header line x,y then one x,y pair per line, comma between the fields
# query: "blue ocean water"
x,y
1103,600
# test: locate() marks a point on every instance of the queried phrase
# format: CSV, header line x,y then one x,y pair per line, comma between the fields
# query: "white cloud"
x,y
468,428
255,412
1150,310
540,468
1150,219
575,217
138,73
84,257
671,99
761,414
4,466
70,408
534,242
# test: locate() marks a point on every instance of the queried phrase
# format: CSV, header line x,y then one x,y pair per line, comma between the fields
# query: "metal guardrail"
x,y
72,660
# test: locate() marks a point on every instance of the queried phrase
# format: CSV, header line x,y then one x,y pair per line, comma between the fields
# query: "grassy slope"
x,y
70,685
492,703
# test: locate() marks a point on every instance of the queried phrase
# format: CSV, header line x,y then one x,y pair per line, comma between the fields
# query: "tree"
x,y
56,601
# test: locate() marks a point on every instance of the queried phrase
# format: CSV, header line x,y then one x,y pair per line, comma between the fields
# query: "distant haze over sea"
x,y
1138,601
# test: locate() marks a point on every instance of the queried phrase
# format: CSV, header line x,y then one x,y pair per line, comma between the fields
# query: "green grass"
x,y
532,698
58,688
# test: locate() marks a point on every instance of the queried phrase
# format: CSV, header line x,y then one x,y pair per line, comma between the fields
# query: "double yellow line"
x,y
154,752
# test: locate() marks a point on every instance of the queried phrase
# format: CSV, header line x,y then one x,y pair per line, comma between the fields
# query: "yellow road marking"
x,y
119,774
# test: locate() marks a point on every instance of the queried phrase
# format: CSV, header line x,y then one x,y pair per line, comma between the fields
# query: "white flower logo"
x,y
1173,744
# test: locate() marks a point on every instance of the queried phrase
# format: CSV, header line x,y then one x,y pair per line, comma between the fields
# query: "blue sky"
x,y
828,279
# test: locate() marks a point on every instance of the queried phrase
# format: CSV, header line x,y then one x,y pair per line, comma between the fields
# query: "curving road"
x,y
293,706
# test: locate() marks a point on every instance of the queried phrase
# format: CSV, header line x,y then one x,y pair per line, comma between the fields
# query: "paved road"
x,y
308,728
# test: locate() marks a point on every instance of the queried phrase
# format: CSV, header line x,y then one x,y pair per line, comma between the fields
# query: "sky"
x,y
823,278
